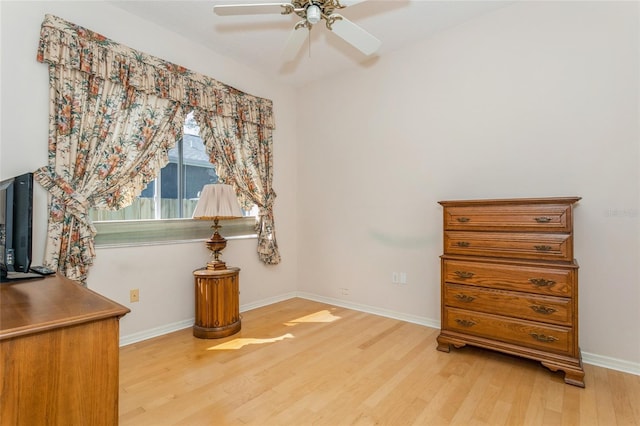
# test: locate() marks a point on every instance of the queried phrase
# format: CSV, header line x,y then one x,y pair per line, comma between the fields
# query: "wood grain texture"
x,y
555,310
59,347
517,275
496,215
536,246
217,303
66,376
301,362
502,262
27,307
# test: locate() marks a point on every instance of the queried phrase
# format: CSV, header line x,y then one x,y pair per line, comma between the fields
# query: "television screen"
x,y
16,217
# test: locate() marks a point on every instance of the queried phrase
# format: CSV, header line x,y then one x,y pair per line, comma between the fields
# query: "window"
x,y
163,210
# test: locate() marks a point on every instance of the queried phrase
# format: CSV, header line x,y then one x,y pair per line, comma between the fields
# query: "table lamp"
x,y
217,201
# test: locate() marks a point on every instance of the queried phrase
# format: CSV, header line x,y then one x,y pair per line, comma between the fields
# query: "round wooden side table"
x,y
217,303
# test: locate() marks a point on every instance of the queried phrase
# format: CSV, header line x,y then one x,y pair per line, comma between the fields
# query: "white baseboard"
x,y
155,332
427,322
587,358
267,301
181,325
611,363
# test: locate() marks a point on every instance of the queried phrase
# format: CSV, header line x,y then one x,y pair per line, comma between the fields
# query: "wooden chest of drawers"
x,y
509,280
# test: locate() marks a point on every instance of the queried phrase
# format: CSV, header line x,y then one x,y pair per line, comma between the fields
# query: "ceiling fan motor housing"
x,y
314,10
314,14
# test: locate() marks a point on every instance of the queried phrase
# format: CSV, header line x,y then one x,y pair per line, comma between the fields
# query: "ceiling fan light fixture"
x,y
314,14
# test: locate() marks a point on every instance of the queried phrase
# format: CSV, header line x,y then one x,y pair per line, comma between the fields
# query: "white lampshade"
x,y
217,201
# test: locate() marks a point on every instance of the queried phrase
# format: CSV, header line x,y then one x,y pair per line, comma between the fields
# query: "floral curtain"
x,y
105,144
114,114
242,153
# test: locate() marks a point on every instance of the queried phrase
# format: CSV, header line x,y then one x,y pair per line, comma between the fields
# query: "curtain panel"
x,y
242,154
105,146
114,114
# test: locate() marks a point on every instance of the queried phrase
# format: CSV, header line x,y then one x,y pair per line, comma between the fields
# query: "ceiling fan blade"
x,y
252,9
347,3
294,42
354,34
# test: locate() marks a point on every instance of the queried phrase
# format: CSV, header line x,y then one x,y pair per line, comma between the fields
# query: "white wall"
x,y
536,99
162,273
532,100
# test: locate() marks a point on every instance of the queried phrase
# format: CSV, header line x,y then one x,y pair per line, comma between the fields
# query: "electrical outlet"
x,y
344,291
395,278
403,277
134,295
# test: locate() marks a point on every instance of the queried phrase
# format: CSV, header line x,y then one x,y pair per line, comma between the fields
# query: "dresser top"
x,y
511,201
28,307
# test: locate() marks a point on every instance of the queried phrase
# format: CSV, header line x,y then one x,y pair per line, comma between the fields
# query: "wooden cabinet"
x,y
509,281
60,349
217,303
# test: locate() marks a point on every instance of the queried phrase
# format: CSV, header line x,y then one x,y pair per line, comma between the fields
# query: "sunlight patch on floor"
x,y
320,316
243,341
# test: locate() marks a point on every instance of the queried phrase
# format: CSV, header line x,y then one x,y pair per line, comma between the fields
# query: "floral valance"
x,y
64,43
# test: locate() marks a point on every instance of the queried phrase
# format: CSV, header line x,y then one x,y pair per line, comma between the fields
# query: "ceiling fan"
x,y
311,12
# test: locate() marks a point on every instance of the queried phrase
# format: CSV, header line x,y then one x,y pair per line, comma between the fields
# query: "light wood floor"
x,y
301,362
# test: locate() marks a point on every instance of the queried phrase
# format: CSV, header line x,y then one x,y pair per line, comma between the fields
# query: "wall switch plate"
x,y
134,295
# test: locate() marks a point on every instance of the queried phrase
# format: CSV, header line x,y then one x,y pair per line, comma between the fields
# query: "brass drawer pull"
x,y
544,310
543,248
465,322
465,298
464,274
543,337
543,219
462,244
463,219
541,282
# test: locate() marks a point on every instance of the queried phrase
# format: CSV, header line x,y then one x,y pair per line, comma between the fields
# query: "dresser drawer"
x,y
530,334
525,217
510,245
552,281
528,306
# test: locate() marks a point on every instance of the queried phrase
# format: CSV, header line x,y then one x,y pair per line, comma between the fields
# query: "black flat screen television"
x,y
16,219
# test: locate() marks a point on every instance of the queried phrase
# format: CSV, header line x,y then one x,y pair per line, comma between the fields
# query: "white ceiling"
x,y
257,40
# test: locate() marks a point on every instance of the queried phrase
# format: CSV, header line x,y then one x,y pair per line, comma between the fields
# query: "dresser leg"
x,y
572,376
443,345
